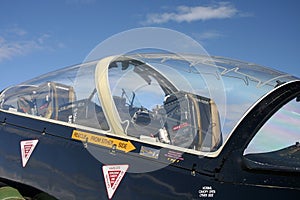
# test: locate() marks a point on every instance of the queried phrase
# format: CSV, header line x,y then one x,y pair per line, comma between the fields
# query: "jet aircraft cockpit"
x,y
185,101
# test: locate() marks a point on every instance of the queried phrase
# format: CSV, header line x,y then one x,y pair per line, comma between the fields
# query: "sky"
x,y
37,36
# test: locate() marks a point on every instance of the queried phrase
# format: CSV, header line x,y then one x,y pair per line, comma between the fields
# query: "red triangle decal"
x,y
27,147
113,175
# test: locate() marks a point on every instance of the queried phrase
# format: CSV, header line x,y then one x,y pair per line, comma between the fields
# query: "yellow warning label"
x,y
104,141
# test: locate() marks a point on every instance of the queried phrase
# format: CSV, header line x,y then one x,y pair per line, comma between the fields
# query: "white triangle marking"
x,y
113,175
27,148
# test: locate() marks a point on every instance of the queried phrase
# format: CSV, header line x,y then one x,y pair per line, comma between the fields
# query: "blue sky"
x,y
41,36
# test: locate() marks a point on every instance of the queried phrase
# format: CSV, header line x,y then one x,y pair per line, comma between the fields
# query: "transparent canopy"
x,y
187,101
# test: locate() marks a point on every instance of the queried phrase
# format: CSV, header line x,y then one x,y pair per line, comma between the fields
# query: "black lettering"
x,y
80,135
107,142
122,145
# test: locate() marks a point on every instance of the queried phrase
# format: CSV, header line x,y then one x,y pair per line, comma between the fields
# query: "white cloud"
x,y
18,42
15,30
43,38
190,14
208,35
10,49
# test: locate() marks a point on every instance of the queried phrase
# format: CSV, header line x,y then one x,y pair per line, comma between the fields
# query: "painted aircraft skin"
x,y
153,126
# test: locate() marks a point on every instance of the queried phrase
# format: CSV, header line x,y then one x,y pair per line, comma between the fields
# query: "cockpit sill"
x,y
107,89
110,134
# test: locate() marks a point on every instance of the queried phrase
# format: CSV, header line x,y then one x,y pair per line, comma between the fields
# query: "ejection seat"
x,y
61,94
45,99
192,121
